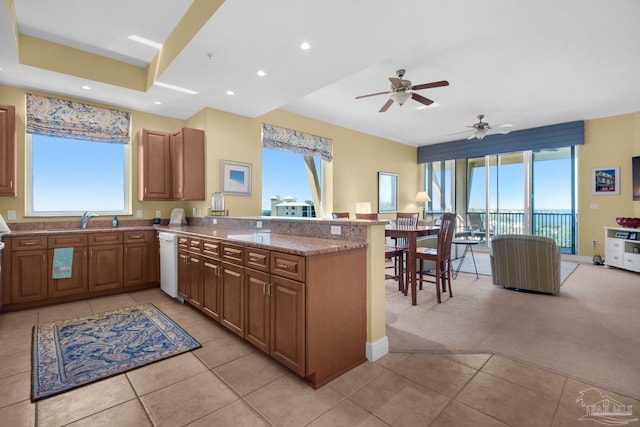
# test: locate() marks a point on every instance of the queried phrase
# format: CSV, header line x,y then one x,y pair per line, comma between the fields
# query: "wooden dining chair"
x,y
404,219
366,215
340,215
441,256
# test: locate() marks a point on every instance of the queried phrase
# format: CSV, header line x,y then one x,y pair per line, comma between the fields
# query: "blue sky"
x,y
283,174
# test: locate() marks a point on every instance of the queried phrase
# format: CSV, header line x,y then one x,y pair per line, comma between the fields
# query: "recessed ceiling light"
x,y
157,102
144,41
230,92
305,46
174,87
260,73
86,87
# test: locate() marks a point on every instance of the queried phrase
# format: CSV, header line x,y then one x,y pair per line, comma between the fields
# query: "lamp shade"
x,y
400,97
422,197
363,207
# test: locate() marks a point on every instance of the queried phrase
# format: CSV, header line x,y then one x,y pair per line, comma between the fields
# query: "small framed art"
x,y
605,181
236,178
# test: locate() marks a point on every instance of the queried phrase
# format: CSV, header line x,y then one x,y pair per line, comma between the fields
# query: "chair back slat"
x,y
340,214
445,235
366,216
407,219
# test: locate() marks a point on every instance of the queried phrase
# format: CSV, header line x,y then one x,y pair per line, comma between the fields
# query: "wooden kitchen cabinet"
x,y
232,297
8,144
211,278
136,257
258,310
287,323
194,291
105,261
28,269
187,164
154,165
171,165
77,283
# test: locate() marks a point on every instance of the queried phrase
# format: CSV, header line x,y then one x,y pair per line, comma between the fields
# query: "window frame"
x,y
29,212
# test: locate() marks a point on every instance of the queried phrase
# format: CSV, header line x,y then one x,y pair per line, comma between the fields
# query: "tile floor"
x,y
229,383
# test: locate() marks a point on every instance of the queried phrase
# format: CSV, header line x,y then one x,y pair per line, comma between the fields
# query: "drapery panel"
x,y
280,138
57,117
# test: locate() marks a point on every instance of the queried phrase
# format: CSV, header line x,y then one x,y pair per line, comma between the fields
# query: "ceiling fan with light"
x,y
402,90
482,129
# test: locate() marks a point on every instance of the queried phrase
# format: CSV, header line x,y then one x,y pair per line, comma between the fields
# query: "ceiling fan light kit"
x,y
401,90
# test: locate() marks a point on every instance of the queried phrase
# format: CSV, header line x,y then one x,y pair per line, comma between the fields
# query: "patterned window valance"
x,y
57,117
295,141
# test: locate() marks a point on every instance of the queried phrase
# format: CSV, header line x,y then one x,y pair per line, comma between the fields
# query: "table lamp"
x,y
363,207
421,198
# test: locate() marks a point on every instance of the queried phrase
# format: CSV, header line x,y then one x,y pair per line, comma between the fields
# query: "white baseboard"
x,y
375,350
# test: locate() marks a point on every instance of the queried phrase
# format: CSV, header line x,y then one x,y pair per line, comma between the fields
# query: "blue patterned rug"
x,y
71,353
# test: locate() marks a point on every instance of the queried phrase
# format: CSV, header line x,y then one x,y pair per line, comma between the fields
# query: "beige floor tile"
x,y
128,414
400,402
58,312
182,314
15,363
223,350
576,394
459,415
14,342
351,381
21,414
15,388
437,373
508,402
18,320
250,372
165,372
81,402
155,295
237,413
187,401
347,414
290,402
112,302
390,359
531,377
205,330
472,360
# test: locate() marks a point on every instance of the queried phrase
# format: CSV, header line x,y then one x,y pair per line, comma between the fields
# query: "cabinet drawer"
x,y
287,265
195,245
105,238
136,236
183,242
233,254
211,248
257,259
67,240
632,261
28,242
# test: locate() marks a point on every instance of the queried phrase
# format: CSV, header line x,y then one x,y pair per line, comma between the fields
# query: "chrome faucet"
x,y
85,219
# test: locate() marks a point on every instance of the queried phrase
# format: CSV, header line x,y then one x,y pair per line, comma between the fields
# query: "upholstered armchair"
x,y
525,262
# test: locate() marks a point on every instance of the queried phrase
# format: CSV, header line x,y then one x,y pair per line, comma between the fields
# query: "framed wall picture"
x,y
605,181
387,192
236,178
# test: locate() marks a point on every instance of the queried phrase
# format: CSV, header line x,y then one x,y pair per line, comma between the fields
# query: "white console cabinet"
x,y
622,248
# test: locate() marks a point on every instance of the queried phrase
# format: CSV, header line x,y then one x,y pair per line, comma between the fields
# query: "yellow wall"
x,y
609,142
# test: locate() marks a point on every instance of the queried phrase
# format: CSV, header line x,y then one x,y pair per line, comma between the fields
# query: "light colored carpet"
x,y
589,332
483,262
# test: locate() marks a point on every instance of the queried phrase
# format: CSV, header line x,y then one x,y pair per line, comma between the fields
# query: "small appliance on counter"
x,y
177,217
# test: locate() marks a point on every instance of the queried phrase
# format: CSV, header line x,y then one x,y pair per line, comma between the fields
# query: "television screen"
x,y
636,178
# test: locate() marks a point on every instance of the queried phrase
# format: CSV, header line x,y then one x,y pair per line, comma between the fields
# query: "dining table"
x,y
411,234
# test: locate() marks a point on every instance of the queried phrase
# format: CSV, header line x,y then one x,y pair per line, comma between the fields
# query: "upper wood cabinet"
x,y
171,166
8,150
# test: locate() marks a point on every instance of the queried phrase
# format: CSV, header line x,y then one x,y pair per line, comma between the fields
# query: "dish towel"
x,y
62,263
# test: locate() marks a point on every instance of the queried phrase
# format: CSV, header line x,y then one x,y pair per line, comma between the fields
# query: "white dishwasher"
x,y
169,263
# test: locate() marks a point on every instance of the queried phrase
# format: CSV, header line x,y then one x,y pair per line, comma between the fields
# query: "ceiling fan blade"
x,y
421,99
373,94
430,85
386,105
396,83
506,125
500,131
458,133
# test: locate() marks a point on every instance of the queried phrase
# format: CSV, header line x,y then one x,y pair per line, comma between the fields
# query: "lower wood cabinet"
x,y
78,282
211,288
28,275
232,297
288,329
258,305
105,267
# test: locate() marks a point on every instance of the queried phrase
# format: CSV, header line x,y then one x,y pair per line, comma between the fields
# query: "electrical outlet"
x,y
336,229
215,221
194,211
139,214
158,214
11,215
258,224
593,242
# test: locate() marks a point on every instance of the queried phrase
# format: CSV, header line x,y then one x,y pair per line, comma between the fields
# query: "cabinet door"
x,y
288,323
257,308
614,249
211,288
77,283
187,162
195,281
232,313
105,267
154,165
28,276
8,143
136,264
183,274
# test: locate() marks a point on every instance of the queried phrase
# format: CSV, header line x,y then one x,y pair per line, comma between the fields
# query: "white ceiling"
x,y
530,63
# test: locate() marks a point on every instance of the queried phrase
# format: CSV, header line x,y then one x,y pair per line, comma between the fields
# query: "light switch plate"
x,y
595,206
158,214
215,221
258,224
11,215
336,229
138,214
